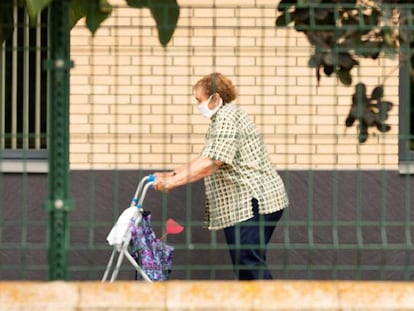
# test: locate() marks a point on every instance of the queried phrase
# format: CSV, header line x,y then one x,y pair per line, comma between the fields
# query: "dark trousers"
x,y
247,242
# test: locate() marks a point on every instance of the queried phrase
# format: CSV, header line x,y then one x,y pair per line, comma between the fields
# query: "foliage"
x,y
95,12
164,12
343,32
369,111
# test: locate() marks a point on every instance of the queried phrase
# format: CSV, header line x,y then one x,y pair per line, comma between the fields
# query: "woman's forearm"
x,y
191,172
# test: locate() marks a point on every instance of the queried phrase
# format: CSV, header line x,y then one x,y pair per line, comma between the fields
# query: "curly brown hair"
x,y
217,83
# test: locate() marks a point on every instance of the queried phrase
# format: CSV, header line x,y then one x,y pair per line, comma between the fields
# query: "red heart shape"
x,y
173,227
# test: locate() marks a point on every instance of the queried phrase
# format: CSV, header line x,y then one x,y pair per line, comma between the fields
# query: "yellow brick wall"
x,y
131,99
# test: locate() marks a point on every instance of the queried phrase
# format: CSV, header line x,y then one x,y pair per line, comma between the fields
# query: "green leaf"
x,y
75,14
105,7
34,7
322,16
282,20
370,49
315,60
372,19
389,37
363,132
301,16
6,20
385,106
328,58
96,15
378,92
285,5
165,13
95,12
344,76
328,69
346,61
139,4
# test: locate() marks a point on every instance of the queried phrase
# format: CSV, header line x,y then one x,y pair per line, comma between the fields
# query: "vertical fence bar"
x,y
58,204
37,100
26,65
408,228
2,97
13,107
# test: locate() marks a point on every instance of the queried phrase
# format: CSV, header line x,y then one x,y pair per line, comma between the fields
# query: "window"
x,y
23,96
406,121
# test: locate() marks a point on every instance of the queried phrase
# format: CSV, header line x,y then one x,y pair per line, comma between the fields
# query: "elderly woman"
x,y
245,196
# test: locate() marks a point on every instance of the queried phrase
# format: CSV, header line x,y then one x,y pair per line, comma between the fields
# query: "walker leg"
x,y
137,267
118,263
109,265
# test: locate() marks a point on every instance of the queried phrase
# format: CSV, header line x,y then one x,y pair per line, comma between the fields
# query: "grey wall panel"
x,y
340,225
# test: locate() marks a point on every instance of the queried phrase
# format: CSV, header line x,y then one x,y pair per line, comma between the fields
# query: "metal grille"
x,y
23,87
351,213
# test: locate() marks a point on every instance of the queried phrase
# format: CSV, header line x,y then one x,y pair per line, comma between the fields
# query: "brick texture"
x,y
132,104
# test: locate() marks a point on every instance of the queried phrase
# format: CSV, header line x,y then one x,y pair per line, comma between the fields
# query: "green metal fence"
x,y
343,222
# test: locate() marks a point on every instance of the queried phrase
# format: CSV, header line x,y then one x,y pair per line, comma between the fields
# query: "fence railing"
x,y
350,213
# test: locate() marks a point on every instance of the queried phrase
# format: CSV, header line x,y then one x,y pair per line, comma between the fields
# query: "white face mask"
x,y
207,112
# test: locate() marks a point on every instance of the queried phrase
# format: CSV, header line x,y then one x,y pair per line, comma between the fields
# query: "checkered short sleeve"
x,y
222,139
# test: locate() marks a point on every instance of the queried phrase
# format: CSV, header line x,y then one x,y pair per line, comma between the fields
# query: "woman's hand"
x,y
162,181
195,170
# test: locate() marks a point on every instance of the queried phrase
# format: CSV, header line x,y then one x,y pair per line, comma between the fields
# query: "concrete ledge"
x,y
206,295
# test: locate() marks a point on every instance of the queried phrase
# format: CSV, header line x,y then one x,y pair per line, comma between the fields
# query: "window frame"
x,y
406,98
25,158
19,161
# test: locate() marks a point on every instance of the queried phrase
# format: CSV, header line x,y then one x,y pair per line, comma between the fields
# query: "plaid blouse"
x,y
246,173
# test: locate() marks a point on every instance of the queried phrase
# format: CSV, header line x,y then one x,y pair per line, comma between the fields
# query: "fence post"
x,y
58,203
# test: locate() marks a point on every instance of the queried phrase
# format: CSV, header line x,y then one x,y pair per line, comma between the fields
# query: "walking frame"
x,y
120,235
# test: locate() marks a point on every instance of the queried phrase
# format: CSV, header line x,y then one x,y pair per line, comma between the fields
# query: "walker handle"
x,y
151,178
141,190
